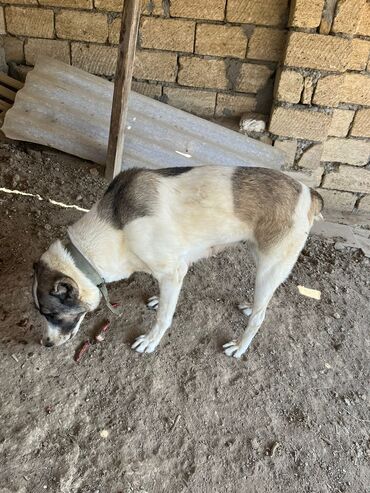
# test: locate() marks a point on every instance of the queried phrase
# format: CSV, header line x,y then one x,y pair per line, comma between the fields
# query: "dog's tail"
x,y
317,205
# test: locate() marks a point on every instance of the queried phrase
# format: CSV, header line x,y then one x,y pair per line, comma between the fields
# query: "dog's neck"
x,y
102,245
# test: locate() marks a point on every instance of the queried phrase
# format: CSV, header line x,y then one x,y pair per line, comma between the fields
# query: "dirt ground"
x,y
291,416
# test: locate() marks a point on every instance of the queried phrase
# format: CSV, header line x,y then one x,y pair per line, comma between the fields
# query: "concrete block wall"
x,y
303,63
209,57
321,111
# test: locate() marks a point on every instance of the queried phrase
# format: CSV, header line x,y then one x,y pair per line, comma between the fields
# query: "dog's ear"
x,y
65,289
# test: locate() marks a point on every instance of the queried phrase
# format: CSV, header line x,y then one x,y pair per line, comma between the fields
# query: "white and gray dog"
x,y
160,222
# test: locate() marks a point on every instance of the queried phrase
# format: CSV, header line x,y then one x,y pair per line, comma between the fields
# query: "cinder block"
x,y
13,48
299,124
359,54
363,28
82,26
252,77
155,65
205,9
201,103
340,123
317,51
289,148
266,12
348,15
310,177
114,29
348,178
151,90
305,13
364,205
199,72
355,89
232,105
96,59
328,90
289,85
267,44
46,47
311,157
2,21
361,124
339,201
70,4
167,34
218,40
148,7
38,23
109,5
22,2
347,151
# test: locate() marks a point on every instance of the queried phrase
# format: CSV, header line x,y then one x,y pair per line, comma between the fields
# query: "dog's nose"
x,y
48,343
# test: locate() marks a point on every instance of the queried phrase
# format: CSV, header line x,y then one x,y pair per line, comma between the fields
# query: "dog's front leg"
x,y
169,290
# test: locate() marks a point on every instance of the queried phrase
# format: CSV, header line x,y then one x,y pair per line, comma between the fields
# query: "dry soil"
x,y
291,416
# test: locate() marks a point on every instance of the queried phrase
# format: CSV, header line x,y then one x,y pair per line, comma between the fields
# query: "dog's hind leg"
x,y
169,287
272,270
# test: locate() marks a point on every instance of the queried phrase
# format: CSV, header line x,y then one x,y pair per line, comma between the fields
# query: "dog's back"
x,y
210,204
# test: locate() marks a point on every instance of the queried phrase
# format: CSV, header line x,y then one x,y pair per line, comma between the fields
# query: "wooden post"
x,y
122,86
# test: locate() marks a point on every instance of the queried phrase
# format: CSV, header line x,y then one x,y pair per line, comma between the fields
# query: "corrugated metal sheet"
x,y
66,108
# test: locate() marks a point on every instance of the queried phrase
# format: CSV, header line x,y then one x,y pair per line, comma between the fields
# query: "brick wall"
x,y
209,57
321,112
304,62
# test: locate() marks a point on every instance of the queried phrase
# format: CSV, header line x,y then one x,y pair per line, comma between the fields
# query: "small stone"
x,y
249,125
35,154
337,316
104,433
266,140
79,197
47,227
255,444
347,401
94,172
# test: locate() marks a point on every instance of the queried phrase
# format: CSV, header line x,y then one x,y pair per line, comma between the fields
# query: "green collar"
x,y
90,272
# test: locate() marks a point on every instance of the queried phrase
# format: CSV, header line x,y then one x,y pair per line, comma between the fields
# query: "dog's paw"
x,y
246,309
233,349
153,303
144,344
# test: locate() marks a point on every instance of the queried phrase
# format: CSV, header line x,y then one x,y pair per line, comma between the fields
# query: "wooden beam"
x,y
7,93
4,105
9,81
122,86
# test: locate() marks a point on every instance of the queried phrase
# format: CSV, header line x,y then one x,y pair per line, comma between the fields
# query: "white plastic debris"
x,y
310,293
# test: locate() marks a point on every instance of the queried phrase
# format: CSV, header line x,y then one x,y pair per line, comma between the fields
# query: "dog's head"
x,y
57,298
